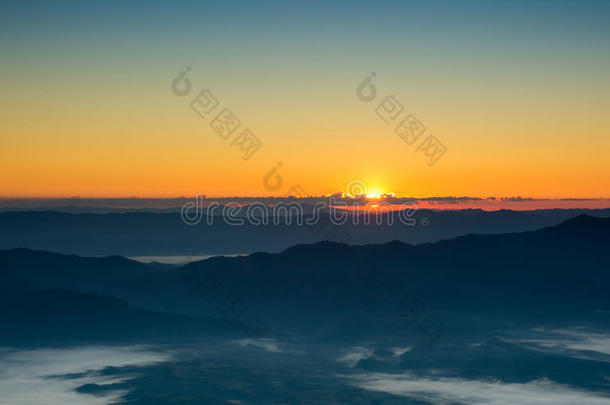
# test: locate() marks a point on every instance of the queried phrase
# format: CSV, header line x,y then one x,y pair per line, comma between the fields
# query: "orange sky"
x,y
521,111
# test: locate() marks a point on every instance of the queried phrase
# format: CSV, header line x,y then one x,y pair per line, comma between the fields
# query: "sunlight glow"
x,y
376,194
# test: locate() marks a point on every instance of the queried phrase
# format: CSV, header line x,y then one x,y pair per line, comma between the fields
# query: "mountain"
x,y
142,285
56,316
557,272
156,234
330,290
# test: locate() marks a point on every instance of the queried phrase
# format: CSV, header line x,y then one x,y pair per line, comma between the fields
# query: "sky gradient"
x,y
518,92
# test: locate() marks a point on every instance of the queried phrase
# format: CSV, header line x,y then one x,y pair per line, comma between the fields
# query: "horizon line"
x,y
514,198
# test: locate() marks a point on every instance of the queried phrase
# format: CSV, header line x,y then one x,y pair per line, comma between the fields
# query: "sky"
x,y
517,93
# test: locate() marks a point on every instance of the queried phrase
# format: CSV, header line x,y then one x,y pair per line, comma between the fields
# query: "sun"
x,y
377,194
374,193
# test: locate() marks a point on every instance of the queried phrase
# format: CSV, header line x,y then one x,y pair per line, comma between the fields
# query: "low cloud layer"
x,y
573,343
444,391
264,343
354,355
42,376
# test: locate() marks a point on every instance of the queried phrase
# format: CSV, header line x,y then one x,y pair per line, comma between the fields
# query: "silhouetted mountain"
x,y
557,272
141,233
338,291
142,285
71,317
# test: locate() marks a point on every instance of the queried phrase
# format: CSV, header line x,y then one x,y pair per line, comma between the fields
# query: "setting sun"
x,y
376,194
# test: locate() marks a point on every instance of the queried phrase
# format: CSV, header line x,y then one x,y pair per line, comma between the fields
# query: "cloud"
x,y
355,354
444,391
573,343
42,376
264,343
399,351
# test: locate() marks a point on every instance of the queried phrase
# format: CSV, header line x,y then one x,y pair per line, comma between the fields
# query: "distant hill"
x,y
555,271
56,316
143,286
330,289
142,234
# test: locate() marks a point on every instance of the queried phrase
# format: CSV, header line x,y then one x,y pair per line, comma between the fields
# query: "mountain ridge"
x,y
560,272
